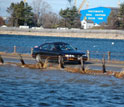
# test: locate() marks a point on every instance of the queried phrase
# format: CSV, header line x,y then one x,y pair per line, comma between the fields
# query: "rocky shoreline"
x,y
76,33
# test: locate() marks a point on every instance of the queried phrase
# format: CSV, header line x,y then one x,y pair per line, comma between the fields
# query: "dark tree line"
x,y
116,19
70,17
40,15
121,15
23,14
20,14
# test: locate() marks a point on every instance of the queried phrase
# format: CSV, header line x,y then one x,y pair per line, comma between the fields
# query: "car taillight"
x,y
35,46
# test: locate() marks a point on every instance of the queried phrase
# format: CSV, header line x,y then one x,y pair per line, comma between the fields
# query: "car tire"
x,y
38,58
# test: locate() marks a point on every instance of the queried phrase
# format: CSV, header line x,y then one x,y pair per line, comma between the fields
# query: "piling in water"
x,y
82,64
1,60
103,65
61,62
21,59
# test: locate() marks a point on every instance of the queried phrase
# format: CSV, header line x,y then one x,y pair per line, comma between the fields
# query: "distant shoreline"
x,y
76,33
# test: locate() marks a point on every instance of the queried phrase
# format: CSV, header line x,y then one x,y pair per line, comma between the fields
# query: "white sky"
x,y
56,5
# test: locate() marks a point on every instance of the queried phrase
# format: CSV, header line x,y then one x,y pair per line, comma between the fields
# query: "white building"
x,y
86,24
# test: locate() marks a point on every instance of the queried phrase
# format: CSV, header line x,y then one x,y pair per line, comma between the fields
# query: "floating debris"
x,y
113,43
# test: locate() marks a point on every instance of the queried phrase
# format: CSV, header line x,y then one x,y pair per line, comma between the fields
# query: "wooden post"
x,y
14,49
1,60
61,63
88,54
103,65
31,50
109,55
82,64
22,61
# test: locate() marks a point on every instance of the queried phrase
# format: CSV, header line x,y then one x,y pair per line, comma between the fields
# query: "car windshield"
x,y
64,47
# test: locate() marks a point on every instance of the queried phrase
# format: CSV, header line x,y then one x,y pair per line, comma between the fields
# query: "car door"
x,y
47,50
44,50
53,53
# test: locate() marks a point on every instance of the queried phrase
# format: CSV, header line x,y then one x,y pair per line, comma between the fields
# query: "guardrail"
x,y
90,54
108,55
16,49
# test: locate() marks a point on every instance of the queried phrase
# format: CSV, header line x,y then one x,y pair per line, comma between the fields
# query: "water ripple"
x,y
27,87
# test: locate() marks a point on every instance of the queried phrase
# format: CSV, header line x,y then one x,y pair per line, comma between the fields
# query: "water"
x,y
40,88
23,87
25,43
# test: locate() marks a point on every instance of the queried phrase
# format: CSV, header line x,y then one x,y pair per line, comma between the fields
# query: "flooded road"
x,y
24,87
40,88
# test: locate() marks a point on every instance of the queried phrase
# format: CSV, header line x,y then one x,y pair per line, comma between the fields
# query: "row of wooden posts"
x,y
109,55
88,53
15,50
60,61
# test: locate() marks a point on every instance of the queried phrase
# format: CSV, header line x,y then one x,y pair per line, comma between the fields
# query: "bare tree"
x,y
1,21
40,8
50,20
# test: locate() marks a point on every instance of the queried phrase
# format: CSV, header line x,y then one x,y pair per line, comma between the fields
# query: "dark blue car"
x,y
54,50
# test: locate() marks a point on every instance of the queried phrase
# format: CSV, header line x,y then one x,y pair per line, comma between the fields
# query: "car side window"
x,y
45,47
51,47
57,47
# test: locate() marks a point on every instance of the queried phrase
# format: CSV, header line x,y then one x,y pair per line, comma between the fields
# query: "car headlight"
x,y
69,55
84,55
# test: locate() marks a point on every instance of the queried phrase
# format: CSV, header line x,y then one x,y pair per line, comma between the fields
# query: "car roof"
x,y
57,43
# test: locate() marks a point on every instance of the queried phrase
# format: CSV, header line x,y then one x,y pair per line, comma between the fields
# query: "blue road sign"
x,y
97,15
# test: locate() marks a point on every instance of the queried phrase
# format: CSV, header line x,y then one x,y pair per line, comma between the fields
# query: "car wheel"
x,y
38,58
